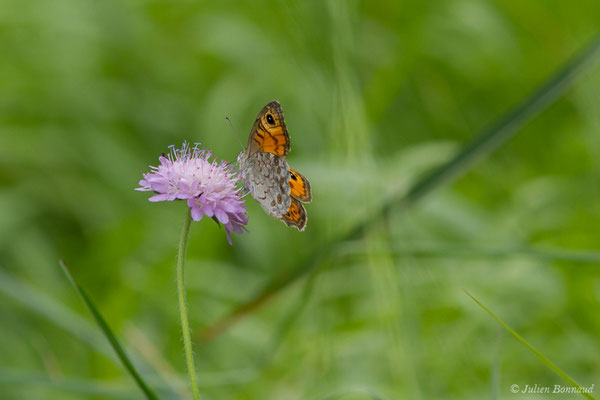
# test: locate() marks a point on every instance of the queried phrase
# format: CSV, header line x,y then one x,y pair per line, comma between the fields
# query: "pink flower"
x,y
209,187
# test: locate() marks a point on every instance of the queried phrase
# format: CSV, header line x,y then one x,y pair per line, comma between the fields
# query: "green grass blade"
x,y
449,251
110,336
74,386
52,310
491,138
539,355
482,145
506,127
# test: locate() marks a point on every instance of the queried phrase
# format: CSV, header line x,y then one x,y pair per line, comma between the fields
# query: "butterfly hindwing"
x,y
266,177
299,186
296,215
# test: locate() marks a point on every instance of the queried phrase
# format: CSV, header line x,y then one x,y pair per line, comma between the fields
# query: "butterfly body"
x,y
278,188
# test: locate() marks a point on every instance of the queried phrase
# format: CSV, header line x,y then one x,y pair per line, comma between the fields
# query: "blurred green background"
x,y
375,94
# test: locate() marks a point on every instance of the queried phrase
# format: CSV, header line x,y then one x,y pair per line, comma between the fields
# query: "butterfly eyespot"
x,y
270,119
293,176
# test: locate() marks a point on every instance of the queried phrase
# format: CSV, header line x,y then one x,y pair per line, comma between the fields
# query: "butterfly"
x,y
277,187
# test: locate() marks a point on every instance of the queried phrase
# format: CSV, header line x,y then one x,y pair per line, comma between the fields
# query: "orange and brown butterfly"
x,y
279,189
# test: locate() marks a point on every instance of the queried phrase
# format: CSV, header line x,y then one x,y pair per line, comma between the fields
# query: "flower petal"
x,y
222,216
196,214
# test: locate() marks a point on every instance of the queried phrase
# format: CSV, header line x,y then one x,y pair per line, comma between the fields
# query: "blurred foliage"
x,y
375,94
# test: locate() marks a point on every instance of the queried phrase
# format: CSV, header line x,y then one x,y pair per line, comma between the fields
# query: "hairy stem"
x,y
185,325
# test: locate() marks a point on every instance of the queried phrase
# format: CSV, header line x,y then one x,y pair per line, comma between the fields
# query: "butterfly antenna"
x,y
236,136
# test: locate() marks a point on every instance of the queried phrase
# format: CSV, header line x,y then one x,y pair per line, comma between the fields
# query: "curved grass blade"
x,y
449,251
508,126
539,355
482,145
49,308
110,336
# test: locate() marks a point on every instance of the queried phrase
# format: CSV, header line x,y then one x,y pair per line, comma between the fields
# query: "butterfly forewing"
x,y
269,133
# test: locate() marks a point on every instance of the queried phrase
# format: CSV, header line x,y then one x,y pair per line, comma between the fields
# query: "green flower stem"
x,y
185,324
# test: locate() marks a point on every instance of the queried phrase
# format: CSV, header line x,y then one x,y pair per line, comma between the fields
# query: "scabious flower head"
x,y
209,187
